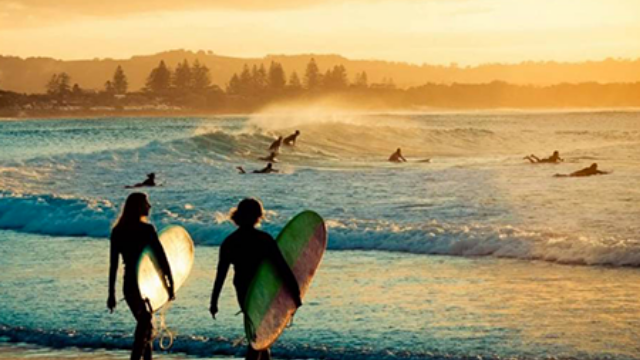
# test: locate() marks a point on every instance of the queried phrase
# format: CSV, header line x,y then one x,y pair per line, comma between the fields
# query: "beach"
x,y
477,253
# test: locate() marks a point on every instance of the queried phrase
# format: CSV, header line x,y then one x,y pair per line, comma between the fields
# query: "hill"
x,y
31,74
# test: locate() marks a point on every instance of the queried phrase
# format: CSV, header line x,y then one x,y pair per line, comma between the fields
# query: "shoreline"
x,y
196,114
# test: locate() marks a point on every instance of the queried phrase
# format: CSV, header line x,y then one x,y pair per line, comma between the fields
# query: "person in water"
x,y
149,182
266,170
397,157
588,171
130,235
553,159
275,146
245,249
271,158
291,139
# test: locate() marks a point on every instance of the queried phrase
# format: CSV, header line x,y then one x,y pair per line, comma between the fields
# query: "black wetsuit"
x,y
129,241
246,248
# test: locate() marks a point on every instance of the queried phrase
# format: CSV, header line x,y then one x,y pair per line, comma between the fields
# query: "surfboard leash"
x,y
165,340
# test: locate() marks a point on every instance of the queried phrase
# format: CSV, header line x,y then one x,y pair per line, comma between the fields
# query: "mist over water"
x,y
477,202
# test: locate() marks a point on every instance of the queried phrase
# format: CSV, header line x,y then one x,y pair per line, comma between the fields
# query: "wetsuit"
x,y
129,240
245,249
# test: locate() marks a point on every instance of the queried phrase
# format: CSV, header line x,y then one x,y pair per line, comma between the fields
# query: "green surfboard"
x,y
269,305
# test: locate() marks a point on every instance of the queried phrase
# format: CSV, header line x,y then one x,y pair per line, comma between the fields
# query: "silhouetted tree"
x,y
312,76
246,81
119,83
59,85
201,79
159,80
108,87
277,79
361,81
234,87
259,77
182,77
294,82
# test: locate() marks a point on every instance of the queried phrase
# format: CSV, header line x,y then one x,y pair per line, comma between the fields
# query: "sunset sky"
x,y
418,31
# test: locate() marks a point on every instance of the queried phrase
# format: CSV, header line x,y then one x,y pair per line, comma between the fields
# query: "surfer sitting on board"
x,y
553,159
588,171
397,157
266,170
275,146
245,249
291,139
150,181
131,234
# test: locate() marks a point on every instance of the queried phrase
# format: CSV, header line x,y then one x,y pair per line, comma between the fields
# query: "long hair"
x,y
133,210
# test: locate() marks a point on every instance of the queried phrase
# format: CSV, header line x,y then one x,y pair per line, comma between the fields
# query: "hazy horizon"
x,y
466,32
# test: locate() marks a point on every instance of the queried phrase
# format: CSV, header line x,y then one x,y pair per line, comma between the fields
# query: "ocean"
x,y
476,253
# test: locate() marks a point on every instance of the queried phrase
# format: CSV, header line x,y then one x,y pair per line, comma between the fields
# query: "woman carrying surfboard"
x,y
129,237
246,248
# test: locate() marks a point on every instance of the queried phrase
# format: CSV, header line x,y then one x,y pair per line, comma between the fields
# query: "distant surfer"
x,y
149,182
588,171
245,249
397,157
275,146
291,139
270,158
553,159
266,170
130,235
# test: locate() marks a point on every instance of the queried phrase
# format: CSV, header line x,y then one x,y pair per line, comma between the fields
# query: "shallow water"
x,y
477,202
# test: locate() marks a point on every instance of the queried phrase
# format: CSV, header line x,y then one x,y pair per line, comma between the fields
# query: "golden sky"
x,y
418,31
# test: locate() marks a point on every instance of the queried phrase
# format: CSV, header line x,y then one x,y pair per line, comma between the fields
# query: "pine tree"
x,y
59,84
201,79
159,80
119,83
276,78
294,81
312,77
361,81
108,87
246,81
234,87
182,77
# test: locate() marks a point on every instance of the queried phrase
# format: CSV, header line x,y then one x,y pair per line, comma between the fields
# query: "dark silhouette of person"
x,y
266,170
149,182
275,146
129,237
397,157
271,158
553,159
245,249
588,171
291,139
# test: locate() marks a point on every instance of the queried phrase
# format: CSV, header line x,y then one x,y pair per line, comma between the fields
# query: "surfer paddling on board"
x,y
291,139
266,170
245,249
129,237
149,182
553,159
397,157
588,171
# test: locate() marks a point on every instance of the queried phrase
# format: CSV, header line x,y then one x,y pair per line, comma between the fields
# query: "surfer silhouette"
x,y
588,171
553,159
275,146
149,182
271,157
291,139
130,235
266,170
397,157
245,249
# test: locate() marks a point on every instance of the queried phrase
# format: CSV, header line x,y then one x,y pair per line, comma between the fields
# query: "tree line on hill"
x,y
189,87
